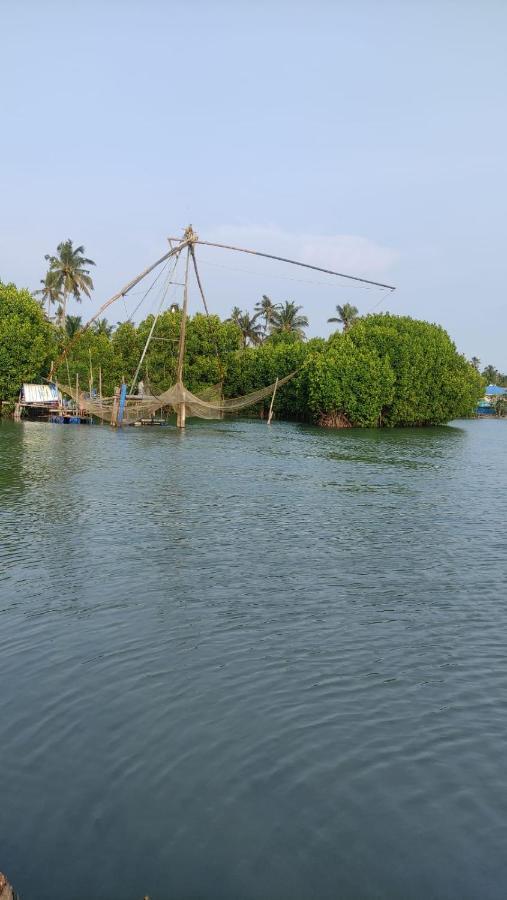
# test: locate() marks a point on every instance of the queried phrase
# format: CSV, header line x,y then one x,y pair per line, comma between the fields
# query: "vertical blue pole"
x,y
123,397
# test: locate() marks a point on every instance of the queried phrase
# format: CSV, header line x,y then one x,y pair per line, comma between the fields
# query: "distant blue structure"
x,y
485,408
123,397
493,390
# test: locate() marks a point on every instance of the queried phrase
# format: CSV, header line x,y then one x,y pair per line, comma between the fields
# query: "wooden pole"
x,y
150,335
292,262
77,392
91,372
6,891
181,413
128,287
114,411
270,416
100,383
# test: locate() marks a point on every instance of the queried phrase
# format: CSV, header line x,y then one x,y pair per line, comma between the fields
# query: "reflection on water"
x,y
251,662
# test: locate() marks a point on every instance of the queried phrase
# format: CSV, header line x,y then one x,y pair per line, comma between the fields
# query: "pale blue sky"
x,y
368,135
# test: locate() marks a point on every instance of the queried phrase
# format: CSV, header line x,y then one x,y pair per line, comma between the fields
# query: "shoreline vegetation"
x,y
381,370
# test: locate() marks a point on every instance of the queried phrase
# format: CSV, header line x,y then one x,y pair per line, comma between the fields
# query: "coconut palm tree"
x,y
347,315
251,331
102,326
286,318
266,309
50,291
235,315
70,272
72,325
475,361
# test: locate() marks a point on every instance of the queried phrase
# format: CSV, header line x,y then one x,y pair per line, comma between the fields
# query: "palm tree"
x,y
251,331
475,361
72,325
102,326
286,318
50,291
235,315
347,315
266,309
70,273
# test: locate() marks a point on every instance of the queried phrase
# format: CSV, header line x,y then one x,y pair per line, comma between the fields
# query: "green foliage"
x,y
67,274
387,370
491,375
433,383
286,318
27,341
347,315
350,380
73,324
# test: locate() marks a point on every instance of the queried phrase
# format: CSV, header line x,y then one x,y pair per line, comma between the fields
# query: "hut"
x,y
37,401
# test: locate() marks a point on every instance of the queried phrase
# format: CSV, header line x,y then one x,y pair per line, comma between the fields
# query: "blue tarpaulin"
x,y
493,390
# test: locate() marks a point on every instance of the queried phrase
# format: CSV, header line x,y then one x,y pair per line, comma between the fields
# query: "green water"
x,y
253,663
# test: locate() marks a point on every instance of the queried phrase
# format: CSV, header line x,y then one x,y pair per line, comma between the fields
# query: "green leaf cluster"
x,y
385,370
27,341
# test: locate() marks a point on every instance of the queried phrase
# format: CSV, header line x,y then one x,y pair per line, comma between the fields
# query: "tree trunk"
x,y
63,318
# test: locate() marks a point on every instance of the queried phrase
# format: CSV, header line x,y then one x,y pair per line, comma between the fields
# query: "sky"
x,y
363,136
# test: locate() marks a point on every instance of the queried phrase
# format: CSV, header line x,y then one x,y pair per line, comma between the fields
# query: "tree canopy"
x,y
28,341
68,273
385,370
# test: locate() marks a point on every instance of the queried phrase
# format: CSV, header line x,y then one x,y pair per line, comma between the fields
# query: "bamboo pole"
x,y
122,293
270,416
90,381
152,329
181,413
292,262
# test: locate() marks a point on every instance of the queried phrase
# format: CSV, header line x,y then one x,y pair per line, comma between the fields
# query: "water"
x,y
253,664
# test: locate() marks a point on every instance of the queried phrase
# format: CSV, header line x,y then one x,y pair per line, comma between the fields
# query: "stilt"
x,y
114,411
182,413
6,892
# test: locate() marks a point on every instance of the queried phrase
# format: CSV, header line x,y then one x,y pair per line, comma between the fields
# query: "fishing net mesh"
x,y
209,404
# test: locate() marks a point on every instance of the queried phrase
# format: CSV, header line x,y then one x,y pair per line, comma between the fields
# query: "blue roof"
x,y
492,390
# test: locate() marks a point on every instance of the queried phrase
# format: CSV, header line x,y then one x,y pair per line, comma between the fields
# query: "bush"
x,y
27,341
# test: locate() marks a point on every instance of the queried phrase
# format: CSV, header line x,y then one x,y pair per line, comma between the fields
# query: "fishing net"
x,y
209,404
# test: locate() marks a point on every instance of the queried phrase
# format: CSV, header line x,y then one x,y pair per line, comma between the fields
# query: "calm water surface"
x,y
253,664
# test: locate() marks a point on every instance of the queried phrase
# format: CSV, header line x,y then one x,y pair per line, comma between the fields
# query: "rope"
x,y
155,320
201,291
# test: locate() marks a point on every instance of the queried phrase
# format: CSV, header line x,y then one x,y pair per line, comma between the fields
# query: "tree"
x,y
286,318
266,310
433,382
349,384
251,331
72,325
235,315
27,341
68,271
347,315
475,361
102,326
50,291
490,374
